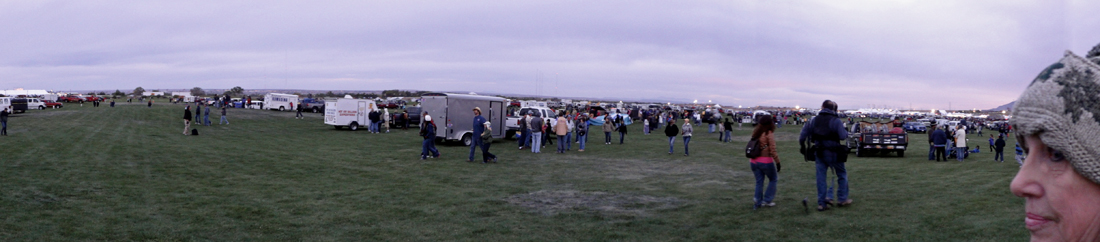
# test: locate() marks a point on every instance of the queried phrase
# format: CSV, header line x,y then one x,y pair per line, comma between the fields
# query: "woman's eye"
x,y
1055,155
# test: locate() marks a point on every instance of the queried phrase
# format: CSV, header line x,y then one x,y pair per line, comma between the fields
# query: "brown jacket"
x,y
769,151
562,128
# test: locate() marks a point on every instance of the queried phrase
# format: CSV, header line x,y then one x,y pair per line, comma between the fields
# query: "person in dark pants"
x,y
486,141
621,129
475,139
206,115
939,141
999,148
428,132
4,122
824,135
299,114
150,102
405,117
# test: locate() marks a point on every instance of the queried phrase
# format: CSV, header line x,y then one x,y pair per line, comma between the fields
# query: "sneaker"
x,y
581,150
845,203
770,204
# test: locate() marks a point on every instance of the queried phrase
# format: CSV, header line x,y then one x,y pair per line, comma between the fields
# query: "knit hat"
x,y
1062,107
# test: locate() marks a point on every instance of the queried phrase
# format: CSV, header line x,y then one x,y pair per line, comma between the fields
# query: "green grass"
x,y
127,173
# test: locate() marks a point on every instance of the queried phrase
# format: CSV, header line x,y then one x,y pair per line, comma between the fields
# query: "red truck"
x,y
71,99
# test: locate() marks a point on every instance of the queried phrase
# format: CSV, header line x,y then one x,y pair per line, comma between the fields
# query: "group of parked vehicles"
x,y
19,105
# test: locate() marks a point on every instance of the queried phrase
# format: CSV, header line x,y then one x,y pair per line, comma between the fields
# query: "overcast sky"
x,y
919,54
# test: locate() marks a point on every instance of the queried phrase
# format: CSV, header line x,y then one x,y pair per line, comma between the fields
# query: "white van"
x,y
349,112
34,103
280,101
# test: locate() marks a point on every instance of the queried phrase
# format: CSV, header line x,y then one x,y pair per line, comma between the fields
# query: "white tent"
x,y
24,92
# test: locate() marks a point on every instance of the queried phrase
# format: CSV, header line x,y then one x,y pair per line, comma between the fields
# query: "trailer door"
x,y
496,117
361,114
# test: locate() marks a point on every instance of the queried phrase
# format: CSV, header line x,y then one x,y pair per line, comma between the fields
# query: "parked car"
x,y
52,104
92,99
915,127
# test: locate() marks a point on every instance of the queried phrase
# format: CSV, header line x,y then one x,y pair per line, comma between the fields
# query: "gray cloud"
x,y
924,54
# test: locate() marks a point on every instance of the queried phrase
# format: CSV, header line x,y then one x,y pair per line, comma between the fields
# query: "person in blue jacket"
x,y
939,140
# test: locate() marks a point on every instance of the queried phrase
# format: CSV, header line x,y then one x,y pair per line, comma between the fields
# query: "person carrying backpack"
x,y
824,135
764,162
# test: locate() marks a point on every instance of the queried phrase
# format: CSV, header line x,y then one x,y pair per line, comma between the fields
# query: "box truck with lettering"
x,y
281,101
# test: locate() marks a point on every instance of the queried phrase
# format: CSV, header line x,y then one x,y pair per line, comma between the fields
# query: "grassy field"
x,y
127,173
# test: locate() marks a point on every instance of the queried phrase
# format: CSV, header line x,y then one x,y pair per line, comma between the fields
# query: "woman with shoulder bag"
x,y
767,164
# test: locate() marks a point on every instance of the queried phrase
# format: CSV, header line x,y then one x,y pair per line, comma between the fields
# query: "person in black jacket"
x,y
621,129
728,126
186,119
373,116
999,148
671,131
4,122
299,114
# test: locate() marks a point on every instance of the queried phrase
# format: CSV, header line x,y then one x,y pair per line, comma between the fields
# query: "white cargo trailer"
x,y
280,101
453,114
349,112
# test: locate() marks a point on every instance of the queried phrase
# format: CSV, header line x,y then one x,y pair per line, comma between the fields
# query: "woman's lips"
x,y
1034,221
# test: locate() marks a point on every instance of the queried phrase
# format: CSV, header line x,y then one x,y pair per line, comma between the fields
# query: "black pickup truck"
x,y
867,138
414,117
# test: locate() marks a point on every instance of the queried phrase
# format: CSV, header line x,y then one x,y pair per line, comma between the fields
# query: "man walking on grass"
x,y
186,119
823,136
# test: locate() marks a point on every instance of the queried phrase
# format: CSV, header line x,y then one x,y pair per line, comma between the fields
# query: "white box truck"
x,y
280,101
349,112
453,114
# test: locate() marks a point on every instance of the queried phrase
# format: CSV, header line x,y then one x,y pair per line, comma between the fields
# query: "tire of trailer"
x,y
466,140
353,126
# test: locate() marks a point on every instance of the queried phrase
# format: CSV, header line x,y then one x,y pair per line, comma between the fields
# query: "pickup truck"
x,y
511,124
870,138
414,117
313,105
71,99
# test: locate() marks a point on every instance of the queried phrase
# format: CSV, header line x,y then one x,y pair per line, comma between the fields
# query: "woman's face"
x,y
1061,205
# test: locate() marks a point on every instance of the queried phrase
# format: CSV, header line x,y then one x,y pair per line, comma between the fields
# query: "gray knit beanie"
x,y
1062,106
